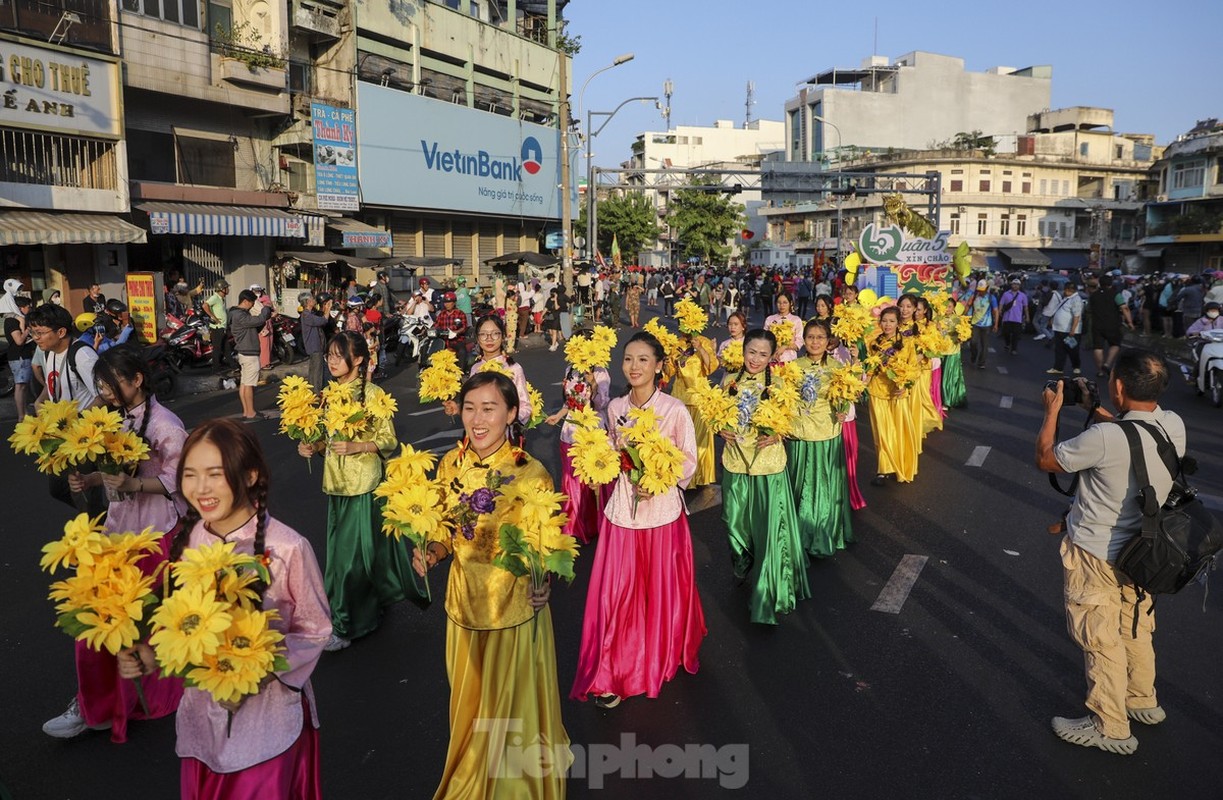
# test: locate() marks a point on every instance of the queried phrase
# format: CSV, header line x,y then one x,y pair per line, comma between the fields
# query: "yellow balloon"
x,y
851,278
885,301
867,298
852,261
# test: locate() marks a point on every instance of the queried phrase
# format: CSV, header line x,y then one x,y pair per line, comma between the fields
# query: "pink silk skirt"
x,y
643,614
936,391
292,775
104,697
849,435
581,504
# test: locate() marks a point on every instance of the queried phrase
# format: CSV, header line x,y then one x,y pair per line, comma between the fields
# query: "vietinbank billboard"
x,y
417,152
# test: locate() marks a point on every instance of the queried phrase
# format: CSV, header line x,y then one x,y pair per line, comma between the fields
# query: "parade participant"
x,y
490,337
500,649
632,303
366,570
823,306
148,499
589,390
953,389
643,616
786,351
913,322
893,423
266,744
511,318
815,453
935,412
757,502
695,363
736,326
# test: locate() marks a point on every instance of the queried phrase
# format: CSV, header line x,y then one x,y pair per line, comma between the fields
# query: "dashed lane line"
x,y
978,456
896,591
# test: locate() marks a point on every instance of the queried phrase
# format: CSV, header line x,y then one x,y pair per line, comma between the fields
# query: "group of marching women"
x,y
786,501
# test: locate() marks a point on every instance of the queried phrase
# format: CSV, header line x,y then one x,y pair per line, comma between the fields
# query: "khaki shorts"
x,y
250,370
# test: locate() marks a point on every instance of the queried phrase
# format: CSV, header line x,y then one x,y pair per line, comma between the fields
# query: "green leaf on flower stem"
x,y
69,623
280,664
561,563
635,457
356,416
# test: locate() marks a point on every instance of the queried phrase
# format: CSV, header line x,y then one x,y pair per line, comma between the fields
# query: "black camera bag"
x,y
1179,539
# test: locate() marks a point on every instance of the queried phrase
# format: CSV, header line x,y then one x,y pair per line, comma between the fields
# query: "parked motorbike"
x,y
286,337
162,369
190,343
1210,381
413,337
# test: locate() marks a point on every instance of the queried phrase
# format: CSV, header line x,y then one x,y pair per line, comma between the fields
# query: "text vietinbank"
x,y
479,164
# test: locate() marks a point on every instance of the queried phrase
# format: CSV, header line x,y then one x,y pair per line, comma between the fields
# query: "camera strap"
x,y
1074,482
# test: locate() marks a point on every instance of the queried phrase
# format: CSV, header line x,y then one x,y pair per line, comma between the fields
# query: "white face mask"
x,y
1212,314
335,312
59,301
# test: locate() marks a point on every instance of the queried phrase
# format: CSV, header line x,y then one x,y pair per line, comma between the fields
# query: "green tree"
x,y
630,217
705,223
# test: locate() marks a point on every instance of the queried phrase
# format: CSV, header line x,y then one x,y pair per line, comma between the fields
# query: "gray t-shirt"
x,y
1105,514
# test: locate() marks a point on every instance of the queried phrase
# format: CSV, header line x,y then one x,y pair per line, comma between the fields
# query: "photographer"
x,y
1104,614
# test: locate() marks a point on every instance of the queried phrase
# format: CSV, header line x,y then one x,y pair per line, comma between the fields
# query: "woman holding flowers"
x,y
959,329
500,650
932,336
786,327
365,570
264,744
815,453
894,424
586,386
758,504
490,337
643,616
693,366
730,352
147,499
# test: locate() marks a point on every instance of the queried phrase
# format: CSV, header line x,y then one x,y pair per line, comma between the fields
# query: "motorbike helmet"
x,y
324,297
356,301
84,322
116,307
447,297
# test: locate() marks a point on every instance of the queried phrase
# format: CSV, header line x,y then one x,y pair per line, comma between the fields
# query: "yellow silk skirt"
x,y
706,459
931,419
896,426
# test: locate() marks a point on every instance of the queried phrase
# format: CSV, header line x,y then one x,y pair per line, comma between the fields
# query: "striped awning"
x,y
53,227
204,220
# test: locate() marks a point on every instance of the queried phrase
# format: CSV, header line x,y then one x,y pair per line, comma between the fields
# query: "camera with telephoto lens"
x,y
1072,392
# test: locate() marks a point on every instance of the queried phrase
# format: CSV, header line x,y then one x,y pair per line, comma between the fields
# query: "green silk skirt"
x,y
366,569
765,548
821,494
955,393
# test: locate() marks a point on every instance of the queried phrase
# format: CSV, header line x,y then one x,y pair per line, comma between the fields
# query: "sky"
x,y
1155,64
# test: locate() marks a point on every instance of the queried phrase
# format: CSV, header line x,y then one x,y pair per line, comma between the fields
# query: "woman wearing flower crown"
x,y
815,452
643,616
500,650
787,350
266,745
149,498
491,340
893,423
757,502
366,570
592,390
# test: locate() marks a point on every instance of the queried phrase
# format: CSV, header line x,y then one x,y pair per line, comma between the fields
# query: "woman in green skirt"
x,y
366,569
757,502
815,455
955,392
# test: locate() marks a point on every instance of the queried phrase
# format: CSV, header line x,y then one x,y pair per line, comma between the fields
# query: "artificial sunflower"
x,y
381,405
83,539
596,463
188,625
691,318
417,511
83,442
731,356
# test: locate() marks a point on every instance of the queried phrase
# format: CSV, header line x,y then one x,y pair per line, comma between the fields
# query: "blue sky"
x,y
1155,64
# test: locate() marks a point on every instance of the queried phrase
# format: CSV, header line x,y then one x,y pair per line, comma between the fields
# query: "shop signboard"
x,y
142,294
335,157
56,89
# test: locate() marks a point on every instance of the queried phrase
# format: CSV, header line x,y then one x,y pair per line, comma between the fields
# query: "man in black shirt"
x,y
95,301
20,353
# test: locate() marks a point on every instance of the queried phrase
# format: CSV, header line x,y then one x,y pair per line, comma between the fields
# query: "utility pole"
x,y
566,209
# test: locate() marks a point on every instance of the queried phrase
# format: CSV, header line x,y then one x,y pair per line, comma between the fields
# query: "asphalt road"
x,y
950,697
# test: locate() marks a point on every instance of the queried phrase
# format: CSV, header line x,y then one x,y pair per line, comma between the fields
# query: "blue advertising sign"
x,y
419,152
335,157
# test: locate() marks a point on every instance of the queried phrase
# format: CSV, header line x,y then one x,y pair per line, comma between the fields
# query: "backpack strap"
x,y
1163,445
1138,460
75,347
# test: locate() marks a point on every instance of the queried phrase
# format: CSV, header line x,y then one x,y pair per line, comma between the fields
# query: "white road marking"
x,y
433,410
1006,401
1011,552
1002,370
992,350
896,591
978,456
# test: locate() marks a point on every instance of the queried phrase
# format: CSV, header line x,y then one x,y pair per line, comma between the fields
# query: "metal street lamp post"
x,y
592,227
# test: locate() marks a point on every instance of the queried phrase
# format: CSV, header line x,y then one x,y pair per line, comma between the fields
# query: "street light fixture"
x,y
591,132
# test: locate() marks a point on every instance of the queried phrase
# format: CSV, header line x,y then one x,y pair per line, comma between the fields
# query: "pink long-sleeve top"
x,y
138,510
575,387
268,723
525,411
652,512
797,323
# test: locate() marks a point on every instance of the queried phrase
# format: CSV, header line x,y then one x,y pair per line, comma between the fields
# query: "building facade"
x,y
1069,194
913,102
1184,221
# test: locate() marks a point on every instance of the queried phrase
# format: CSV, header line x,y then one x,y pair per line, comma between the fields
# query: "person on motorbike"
x,y
451,325
1209,321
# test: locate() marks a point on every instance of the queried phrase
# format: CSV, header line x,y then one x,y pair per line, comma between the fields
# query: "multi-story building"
x,y
721,146
63,159
912,102
1067,193
1184,223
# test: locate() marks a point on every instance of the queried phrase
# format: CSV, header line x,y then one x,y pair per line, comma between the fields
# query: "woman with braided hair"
x,y
266,744
149,498
366,569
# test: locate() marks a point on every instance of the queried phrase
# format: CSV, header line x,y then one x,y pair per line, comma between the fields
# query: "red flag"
x,y
746,234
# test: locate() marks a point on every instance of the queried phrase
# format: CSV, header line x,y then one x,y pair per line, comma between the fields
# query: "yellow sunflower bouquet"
x,y
414,502
653,463
531,541
932,342
692,318
585,353
63,437
715,406
210,630
670,342
442,379
845,385
346,418
301,411
783,331
851,323
731,356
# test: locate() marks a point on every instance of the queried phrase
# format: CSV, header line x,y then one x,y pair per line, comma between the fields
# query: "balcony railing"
x,y
38,19
50,160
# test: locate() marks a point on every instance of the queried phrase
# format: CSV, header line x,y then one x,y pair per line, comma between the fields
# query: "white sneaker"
x,y
335,643
1083,732
1038,337
552,348
71,723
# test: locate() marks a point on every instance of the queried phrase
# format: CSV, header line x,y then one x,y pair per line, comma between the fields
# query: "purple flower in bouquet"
x,y
483,500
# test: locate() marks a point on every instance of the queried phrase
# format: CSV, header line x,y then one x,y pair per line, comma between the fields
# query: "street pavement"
x,y
868,690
